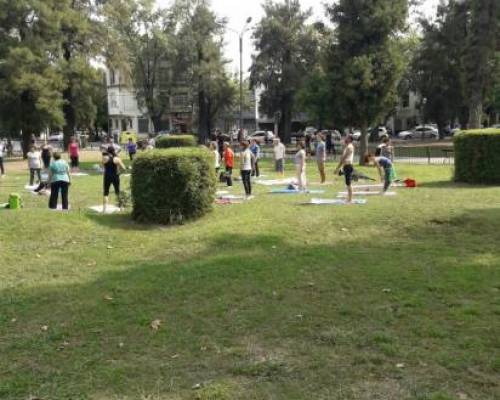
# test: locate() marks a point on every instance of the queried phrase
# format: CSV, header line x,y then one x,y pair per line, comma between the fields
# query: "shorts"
x,y
74,161
348,172
280,165
111,180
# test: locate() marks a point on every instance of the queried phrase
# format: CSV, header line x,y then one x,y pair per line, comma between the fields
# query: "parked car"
x,y
56,137
376,134
420,132
262,136
356,134
336,136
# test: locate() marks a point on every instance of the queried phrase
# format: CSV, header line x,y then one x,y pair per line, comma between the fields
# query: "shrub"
x,y
167,142
172,186
477,156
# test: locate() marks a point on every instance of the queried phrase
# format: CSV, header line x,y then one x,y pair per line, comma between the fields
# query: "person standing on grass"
x,y
60,180
3,148
255,149
213,149
246,161
112,165
346,163
131,149
279,150
385,169
34,164
229,163
46,155
300,166
74,154
321,157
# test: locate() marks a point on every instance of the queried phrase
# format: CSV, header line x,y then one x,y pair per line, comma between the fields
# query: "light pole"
x,y
240,36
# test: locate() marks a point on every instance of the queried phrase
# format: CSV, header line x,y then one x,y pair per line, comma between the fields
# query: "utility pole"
x,y
241,81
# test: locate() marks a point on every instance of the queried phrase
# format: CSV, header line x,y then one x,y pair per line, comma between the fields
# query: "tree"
x,y
30,78
313,98
201,37
146,51
286,51
365,62
480,54
438,69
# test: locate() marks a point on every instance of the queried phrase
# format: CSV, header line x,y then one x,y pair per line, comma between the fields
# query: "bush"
x,y
167,142
172,186
477,156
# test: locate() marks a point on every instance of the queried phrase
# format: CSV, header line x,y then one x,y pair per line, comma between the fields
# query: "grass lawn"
x,y
397,299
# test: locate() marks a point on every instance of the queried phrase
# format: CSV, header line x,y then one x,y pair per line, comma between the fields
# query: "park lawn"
x,y
397,299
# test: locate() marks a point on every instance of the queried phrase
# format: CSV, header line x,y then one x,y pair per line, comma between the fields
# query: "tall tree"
x,y
30,78
480,56
147,52
438,71
286,48
365,61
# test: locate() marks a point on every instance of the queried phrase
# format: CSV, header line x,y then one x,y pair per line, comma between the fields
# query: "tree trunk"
x,y
26,142
363,144
156,120
69,116
475,112
203,117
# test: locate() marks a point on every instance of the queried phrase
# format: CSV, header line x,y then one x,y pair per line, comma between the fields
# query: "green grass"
x,y
398,299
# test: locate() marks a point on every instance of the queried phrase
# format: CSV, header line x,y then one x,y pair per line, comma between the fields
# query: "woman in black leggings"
x,y
112,165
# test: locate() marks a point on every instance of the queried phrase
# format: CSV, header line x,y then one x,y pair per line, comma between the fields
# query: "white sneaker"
x,y
249,197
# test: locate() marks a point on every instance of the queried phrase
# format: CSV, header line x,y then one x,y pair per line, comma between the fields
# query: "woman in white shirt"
x,y
279,156
215,152
300,165
35,164
246,168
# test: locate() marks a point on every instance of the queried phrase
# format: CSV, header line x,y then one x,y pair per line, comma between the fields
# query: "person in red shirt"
x,y
74,154
229,163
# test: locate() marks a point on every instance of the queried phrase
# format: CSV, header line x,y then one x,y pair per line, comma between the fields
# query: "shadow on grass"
x,y
451,185
252,309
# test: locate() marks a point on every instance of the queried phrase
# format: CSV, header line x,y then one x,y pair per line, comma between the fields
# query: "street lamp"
x,y
241,34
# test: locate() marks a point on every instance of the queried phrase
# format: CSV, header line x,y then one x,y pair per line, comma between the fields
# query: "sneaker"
x,y
250,197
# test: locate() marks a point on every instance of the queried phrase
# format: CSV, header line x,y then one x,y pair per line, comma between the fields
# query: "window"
x,y
112,77
406,100
180,100
143,125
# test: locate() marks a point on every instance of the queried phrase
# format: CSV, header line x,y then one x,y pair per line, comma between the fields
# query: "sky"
x,y
237,12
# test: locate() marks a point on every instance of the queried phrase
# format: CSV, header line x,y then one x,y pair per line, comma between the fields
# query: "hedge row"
x,y
477,156
167,142
172,186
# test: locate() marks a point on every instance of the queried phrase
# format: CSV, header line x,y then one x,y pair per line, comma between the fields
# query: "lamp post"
x,y
241,34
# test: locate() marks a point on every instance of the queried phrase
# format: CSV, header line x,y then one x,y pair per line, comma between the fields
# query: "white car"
x,y
356,135
262,136
56,137
420,132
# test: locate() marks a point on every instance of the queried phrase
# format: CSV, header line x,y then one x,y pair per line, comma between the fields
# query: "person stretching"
x,y
385,169
300,166
60,180
229,163
74,154
246,158
346,163
34,164
255,149
321,157
279,156
111,163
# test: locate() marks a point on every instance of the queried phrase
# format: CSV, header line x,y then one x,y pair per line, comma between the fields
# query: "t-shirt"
x,y
2,149
385,151
73,149
229,158
321,152
34,160
131,148
384,162
279,151
300,158
59,170
246,160
349,154
255,149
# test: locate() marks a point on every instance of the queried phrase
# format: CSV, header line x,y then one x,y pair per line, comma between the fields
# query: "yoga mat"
x,y
109,209
231,197
30,188
275,182
344,194
79,174
334,202
375,186
222,193
289,191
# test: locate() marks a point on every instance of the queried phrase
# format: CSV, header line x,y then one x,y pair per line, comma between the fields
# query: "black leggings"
x,y
247,183
2,169
54,194
111,180
38,173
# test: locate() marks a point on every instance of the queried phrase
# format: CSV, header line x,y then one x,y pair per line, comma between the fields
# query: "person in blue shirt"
x,y
255,149
60,180
385,169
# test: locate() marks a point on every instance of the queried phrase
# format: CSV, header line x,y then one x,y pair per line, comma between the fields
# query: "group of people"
x,y
250,154
58,172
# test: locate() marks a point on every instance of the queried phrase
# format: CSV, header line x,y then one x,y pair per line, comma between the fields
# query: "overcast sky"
x,y
237,11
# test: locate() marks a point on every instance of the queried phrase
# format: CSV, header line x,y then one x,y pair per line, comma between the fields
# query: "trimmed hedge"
x,y
477,156
172,186
167,142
